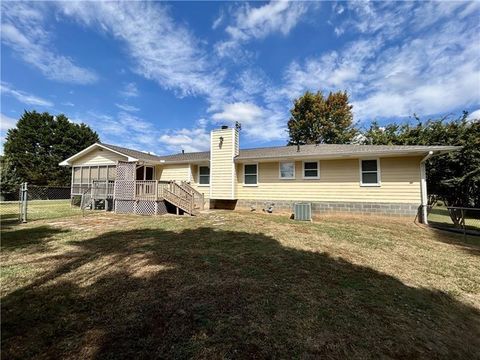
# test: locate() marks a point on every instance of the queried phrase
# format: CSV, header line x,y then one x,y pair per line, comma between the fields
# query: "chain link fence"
x,y
36,203
10,206
461,219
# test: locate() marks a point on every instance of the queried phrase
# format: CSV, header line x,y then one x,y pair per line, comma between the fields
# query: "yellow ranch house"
x,y
380,179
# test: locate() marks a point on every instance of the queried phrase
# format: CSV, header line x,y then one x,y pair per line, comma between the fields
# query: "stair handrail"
x,y
194,192
187,197
182,203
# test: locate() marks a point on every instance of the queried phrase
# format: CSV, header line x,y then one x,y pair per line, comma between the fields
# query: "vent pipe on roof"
x,y
183,151
298,147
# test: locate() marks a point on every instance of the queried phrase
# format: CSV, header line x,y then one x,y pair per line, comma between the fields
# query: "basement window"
x,y
370,172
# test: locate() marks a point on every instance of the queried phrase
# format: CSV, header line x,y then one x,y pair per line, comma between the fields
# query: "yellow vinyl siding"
x,y
99,157
205,190
178,172
222,166
339,181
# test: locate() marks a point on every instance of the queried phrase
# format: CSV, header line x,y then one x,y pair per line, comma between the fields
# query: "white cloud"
x,y
161,49
258,123
130,90
24,30
23,96
241,112
474,115
259,22
7,122
394,74
190,140
218,21
68,103
126,107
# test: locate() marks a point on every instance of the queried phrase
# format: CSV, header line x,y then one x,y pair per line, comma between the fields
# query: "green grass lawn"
x,y
237,285
439,215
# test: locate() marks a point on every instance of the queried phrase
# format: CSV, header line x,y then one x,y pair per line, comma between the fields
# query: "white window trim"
x,y
209,175
379,173
280,170
310,177
250,185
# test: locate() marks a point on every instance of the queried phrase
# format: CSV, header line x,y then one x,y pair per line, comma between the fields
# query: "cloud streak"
x,y
259,22
23,96
23,30
162,50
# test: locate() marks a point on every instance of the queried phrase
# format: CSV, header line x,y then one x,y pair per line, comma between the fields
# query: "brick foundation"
x,y
319,207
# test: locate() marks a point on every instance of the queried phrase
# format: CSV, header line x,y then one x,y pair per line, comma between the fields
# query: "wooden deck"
x,y
179,194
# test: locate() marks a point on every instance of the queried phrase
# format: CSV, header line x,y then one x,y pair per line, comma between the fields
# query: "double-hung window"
x,y
250,174
287,170
370,172
204,175
311,170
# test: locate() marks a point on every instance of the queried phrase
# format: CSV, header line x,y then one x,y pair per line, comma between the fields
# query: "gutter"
x,y
423,189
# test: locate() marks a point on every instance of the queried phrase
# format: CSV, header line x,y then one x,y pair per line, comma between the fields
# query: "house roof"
x,y
321,150
187,157
337,150
277,152
130,154
139,155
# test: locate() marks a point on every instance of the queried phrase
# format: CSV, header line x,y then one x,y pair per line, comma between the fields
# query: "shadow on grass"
x,y
17,237
207,293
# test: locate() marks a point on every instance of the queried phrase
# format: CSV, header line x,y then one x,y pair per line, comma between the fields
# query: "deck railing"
x,y
102,189
150,190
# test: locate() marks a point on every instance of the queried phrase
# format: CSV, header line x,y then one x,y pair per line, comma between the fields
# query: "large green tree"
x,y
318,119
34,148
453,177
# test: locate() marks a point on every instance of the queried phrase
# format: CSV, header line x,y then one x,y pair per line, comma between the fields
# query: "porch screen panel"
x,y
85,175
77,175
94,173
112,172
103,173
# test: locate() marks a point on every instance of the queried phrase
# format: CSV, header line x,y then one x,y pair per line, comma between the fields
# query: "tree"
x,y
316,119
453,177
38,143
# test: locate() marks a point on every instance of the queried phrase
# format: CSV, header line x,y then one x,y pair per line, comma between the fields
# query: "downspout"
x,y
423,189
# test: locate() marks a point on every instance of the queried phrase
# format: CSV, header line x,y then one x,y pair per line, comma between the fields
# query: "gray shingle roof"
x,y
140,155
336,149
193,156
321,150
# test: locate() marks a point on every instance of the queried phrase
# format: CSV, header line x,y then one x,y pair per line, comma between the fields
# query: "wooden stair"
x,y
184,197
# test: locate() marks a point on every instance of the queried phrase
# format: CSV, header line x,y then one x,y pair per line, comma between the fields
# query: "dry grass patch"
x,y
238,285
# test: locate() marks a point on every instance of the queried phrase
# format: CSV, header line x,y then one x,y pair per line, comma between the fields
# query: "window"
x,y
287,170
145,173
369,172
250,175
311,170
204,175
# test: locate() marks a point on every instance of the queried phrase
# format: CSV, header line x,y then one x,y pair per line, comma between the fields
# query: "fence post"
x,y
463,224
24,202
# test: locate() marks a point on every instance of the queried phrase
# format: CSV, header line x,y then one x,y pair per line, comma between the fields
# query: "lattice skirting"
x,y
140,207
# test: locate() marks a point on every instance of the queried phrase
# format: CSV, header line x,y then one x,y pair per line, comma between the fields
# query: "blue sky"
x,y
159,76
